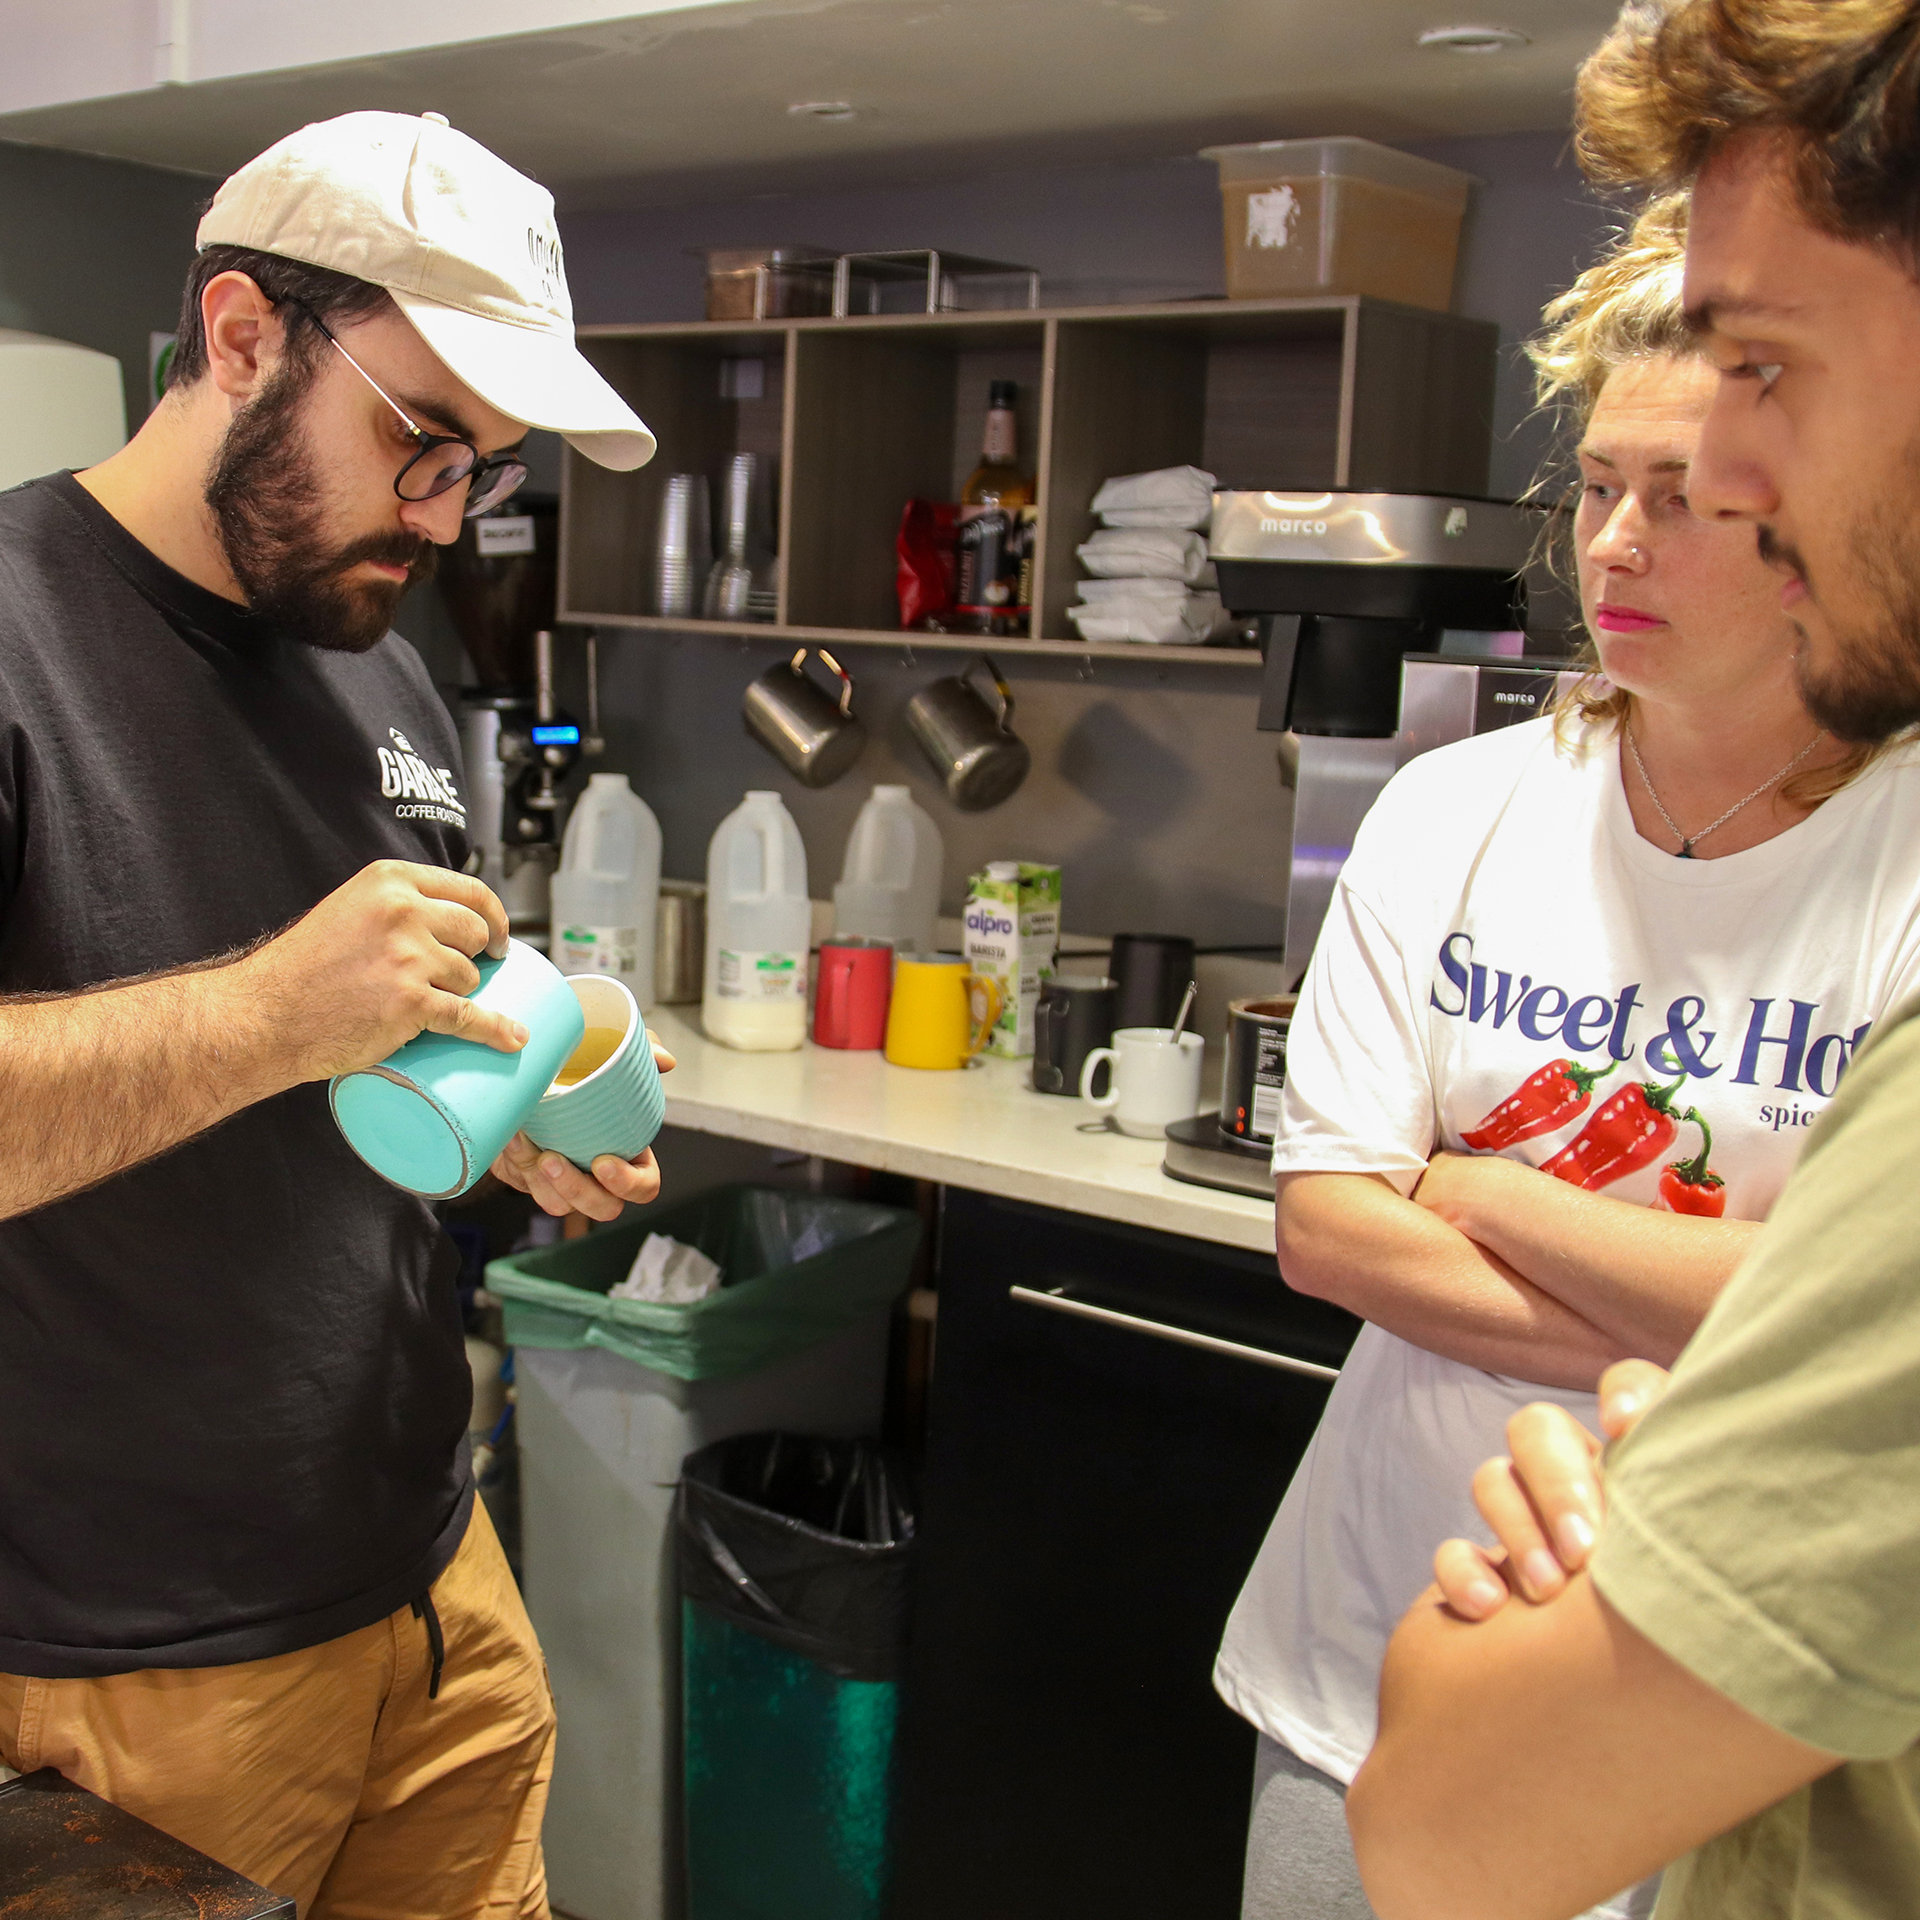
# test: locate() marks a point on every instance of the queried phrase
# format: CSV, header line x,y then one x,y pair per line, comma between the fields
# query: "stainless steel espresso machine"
x,y
499,583
1358,594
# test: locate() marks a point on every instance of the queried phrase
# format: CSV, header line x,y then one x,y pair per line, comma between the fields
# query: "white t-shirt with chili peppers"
x,y
1506,958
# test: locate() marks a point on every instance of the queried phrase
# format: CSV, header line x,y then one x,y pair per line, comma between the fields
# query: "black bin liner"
x,y
804,1542
794,1558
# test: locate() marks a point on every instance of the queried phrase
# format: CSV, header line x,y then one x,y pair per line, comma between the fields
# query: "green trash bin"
x,y
798,1267
794,1559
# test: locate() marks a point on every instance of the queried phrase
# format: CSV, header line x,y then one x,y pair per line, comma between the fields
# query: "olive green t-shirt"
x,y
1763,1520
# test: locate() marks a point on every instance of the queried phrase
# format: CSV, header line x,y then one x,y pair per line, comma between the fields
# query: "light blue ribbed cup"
x,y
620,1106
434,1116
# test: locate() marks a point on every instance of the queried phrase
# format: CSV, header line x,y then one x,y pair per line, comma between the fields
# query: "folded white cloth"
x,y
669,1273
1151,619
1184,491
1169,553
1137,588
1158,517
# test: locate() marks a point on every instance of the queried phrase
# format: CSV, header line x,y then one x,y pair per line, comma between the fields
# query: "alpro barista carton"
x,y
1012,930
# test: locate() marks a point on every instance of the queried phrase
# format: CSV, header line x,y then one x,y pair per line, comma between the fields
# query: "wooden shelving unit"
x,y
859,415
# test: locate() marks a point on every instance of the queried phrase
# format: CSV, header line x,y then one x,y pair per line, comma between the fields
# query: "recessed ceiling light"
x,y
1473,39
822,110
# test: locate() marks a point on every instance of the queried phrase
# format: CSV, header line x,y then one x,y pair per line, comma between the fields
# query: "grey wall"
x,y
1150,785
1532,225
95,251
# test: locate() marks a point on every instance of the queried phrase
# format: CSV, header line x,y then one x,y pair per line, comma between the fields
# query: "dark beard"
x,y
1872,689
264,494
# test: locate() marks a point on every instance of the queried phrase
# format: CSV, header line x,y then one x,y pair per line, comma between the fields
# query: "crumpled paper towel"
x,y
669,1273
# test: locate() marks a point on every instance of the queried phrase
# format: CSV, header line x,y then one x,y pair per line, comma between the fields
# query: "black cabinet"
x,y
1115,1416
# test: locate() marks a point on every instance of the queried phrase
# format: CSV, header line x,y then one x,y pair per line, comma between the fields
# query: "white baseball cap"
x,y
466,246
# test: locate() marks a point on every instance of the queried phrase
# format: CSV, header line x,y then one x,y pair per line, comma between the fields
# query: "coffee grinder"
x,y
499,581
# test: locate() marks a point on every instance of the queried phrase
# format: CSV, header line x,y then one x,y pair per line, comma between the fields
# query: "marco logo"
x,y
1293,526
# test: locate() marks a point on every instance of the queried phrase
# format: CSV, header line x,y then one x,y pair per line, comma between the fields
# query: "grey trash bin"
x,y
612,1396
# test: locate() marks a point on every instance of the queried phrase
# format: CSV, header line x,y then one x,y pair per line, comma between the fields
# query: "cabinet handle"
x,y
1055,1302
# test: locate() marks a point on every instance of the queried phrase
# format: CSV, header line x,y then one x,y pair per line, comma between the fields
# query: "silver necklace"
x,y
1688,841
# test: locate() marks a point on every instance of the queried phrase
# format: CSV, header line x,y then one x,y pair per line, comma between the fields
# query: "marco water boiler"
x,y
1346,585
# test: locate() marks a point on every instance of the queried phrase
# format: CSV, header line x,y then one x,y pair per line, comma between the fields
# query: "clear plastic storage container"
x,y
767,283
1339,216
890,880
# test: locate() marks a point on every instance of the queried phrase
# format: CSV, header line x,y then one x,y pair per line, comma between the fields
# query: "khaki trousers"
x,y
328,1774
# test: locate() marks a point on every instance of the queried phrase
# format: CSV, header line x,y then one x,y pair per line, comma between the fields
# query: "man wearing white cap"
x,y
245,1588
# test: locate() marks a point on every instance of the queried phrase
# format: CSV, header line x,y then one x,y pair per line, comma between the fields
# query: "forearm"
x,y
1353,1239
94,1083
1537,1764
1644,1276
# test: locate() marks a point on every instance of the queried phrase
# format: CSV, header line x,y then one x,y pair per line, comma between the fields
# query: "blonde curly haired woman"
x,y
1583,986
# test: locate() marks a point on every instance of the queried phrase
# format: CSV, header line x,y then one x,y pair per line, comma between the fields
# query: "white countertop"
x,y
983,1127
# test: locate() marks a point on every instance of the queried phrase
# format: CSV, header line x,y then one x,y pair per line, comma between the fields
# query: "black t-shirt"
x,y
233,1388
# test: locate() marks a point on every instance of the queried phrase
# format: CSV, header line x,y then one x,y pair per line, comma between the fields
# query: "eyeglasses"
x,y
444,460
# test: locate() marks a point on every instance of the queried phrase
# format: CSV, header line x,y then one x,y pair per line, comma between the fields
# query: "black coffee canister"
x,y
1151,971
1256,1067
1073,1016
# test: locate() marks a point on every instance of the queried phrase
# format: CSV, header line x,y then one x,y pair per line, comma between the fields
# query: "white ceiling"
x,y
692,103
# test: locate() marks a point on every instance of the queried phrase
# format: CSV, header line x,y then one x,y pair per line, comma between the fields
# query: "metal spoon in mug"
x,y
1186,1007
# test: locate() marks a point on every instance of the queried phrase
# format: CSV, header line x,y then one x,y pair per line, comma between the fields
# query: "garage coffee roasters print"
x,y
424,792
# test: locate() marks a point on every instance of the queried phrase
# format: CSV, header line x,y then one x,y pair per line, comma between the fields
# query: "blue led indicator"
x,y
556,736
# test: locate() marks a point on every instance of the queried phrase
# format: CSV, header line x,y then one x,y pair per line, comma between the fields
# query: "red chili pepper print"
x,y
1541,1103
1691,1186
1630,1130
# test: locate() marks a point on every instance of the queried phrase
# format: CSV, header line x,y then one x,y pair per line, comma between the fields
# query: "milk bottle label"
x,y
581,949
764,977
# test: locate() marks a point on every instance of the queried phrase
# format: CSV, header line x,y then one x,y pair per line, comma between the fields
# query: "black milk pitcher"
x,y
1073,1016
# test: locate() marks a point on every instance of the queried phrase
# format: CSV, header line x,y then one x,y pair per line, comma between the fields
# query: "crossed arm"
x,y
1533,1765
1500,1266
1536,1763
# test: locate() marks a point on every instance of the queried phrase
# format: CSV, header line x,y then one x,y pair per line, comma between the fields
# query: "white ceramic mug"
x,y
1154,1079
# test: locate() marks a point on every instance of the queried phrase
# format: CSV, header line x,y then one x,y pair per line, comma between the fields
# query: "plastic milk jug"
x,y
890,881
1012,929
759,928
606,891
